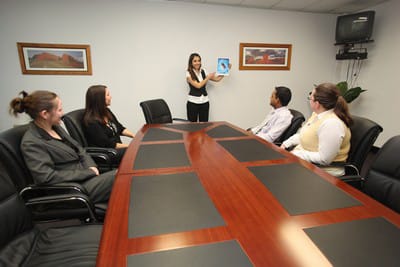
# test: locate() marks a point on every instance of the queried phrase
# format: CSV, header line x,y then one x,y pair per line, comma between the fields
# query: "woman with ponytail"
x,y
51,155
325,137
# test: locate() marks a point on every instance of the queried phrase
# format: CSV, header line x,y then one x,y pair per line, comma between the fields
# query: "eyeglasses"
x,y
309,96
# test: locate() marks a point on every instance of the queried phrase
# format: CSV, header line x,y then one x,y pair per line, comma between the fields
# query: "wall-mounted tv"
x,y
354,28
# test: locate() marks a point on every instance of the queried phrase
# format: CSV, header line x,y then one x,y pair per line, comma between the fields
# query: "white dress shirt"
x,y
276,122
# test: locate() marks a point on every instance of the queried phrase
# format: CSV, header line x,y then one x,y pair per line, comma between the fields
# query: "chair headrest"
x,y
11,155
73,123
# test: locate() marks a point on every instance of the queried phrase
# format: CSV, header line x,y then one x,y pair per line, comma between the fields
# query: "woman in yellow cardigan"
x,y
325,137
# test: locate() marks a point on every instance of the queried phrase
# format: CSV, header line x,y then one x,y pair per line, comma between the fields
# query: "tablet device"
x,y
223,66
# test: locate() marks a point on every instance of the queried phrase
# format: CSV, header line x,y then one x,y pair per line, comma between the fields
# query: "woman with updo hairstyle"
x,y
50,154
325,137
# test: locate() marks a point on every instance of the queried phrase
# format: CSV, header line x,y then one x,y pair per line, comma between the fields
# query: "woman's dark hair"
x,y
33,103
328,95
190,66
284,94
95,107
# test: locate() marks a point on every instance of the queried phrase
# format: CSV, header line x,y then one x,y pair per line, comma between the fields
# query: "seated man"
x,y
279,118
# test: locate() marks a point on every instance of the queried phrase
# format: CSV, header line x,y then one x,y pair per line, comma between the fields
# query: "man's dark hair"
x,y
284,94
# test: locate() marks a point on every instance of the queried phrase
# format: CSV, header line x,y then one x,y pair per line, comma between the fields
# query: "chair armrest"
x,y
354,180
110,152
103,156
101,159
34,191
351,176
48,207
349,168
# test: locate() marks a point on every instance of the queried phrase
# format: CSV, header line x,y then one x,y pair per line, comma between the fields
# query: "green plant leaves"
x,y
349,94
352,94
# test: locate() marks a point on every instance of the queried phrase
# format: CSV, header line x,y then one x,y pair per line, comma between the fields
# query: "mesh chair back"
x,y
156,111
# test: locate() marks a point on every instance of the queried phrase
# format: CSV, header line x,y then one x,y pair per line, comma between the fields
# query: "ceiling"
x,y
314,6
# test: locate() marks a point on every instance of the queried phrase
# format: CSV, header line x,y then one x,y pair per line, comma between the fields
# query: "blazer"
x,y
53,161
101,135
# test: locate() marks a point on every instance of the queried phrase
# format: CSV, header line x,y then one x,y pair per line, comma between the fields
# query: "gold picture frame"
x,y
260,56
55,59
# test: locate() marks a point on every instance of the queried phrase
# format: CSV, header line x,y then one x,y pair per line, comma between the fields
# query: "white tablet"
x,y
223,66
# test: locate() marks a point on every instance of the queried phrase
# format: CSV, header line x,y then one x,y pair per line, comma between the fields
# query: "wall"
x,y
380,73
140,50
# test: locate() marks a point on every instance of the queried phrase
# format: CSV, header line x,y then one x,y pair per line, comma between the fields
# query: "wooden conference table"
x,y
212,194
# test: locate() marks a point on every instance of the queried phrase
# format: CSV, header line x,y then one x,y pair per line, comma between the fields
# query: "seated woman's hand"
x,y
95,170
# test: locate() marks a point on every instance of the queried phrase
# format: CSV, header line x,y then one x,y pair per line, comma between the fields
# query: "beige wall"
x,y
140,50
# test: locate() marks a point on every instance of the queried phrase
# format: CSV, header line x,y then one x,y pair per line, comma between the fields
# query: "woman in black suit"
x,y
51,155
101,127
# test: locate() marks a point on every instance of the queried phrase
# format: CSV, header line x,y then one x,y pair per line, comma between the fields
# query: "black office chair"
x,y
24,244
297,121
157,111
382,181
364,132
104,157
72,197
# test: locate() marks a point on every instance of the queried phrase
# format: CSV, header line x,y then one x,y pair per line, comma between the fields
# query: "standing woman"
x,y
101,127
198,103
51,155
325,137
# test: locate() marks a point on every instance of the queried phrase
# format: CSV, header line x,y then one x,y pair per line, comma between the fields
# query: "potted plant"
x,y
349,94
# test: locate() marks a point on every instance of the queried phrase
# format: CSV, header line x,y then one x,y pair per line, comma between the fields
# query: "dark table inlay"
x,y
223,254
250,150
161,156
300,191
170,203
368,242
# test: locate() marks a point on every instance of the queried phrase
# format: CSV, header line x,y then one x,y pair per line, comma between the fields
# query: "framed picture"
x,y
253,56
54,59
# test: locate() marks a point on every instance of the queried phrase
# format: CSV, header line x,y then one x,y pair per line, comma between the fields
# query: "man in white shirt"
x,y
279,118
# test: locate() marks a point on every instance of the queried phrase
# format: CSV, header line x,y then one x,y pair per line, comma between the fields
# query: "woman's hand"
x,y
95,170
211,76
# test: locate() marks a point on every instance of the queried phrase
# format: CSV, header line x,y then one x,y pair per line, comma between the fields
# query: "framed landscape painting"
x,y
258,56
54,59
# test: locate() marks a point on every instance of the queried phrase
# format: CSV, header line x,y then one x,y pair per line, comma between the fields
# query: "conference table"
x,y
213,194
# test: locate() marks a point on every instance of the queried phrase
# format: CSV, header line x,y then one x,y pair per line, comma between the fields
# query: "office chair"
x,y
157,111
24,244
104,157
382,181
364,132
297,121
73,198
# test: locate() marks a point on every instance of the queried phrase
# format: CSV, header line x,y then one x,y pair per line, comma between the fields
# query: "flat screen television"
x,y
354,28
